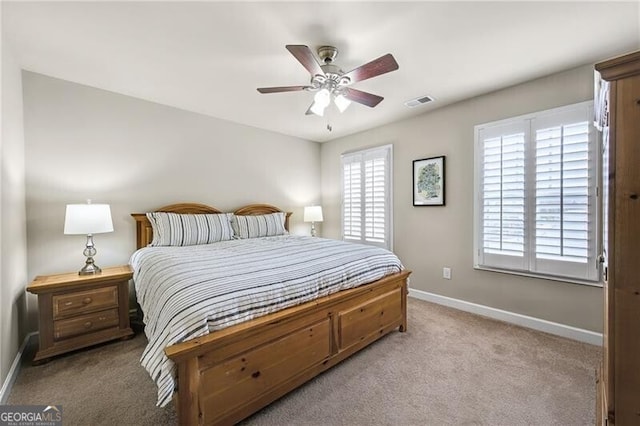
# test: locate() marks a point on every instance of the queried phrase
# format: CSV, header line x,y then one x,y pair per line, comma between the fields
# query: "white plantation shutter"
x,y
375,199
502,190
565,204
366,196
352,201
536,186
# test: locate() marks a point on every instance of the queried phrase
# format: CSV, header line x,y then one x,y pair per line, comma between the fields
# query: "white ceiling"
x,y
209,57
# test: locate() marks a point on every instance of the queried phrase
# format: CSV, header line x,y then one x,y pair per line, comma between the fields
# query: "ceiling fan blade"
x,y
364,98
281,89
382,65
305,56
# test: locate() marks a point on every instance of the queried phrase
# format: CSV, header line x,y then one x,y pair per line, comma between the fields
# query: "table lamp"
x,y
313,214
88,219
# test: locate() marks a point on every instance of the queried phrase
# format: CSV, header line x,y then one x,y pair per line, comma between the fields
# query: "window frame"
x,y
528,122
365,154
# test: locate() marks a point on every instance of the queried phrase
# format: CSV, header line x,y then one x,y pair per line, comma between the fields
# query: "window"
x,y
535,205
366,196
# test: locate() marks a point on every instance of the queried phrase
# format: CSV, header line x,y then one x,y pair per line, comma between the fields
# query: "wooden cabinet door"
x,y
605,386
621,366
626,257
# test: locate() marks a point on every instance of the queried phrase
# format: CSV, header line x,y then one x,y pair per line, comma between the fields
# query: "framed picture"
x,y
428,181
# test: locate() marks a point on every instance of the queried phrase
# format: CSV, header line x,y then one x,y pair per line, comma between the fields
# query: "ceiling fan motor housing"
x,y
332,72
327,53
332,78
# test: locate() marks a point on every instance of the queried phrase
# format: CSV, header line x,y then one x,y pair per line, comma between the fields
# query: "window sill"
x,y
540,276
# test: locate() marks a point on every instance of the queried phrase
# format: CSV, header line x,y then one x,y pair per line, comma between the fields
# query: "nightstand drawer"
x,y
84,301
84,324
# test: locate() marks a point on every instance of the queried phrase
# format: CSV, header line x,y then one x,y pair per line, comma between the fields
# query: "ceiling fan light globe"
x,y
322,98
341,102
317,109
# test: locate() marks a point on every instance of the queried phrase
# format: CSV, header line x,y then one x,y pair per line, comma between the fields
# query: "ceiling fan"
x,y
330,82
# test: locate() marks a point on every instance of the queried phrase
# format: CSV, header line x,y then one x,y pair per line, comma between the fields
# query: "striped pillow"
x,y
262,225
173,229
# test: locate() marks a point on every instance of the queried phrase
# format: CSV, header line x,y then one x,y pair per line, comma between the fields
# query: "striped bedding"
x,y
189,291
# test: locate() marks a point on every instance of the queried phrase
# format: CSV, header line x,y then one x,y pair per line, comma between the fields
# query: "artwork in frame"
x,y
428,181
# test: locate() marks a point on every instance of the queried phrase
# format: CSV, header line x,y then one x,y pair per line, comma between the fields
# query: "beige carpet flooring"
x,y
450,368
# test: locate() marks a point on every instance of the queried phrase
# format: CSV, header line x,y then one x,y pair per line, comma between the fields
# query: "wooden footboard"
x,y
228,375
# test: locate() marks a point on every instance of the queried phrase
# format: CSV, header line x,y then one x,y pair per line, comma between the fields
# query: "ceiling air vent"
x,y
418,101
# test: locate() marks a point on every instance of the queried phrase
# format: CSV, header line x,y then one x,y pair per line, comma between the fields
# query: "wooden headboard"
x,y
144,231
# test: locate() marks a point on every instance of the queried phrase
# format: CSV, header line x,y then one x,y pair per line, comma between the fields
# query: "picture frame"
x,y
429,181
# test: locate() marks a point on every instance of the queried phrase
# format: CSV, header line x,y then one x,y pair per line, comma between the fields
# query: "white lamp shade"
x,y
313,214
87,219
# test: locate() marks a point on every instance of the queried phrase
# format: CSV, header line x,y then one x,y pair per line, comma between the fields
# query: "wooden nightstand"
x,y
77,311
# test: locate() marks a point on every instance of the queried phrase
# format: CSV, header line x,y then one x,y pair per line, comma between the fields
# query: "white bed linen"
x,y
187,292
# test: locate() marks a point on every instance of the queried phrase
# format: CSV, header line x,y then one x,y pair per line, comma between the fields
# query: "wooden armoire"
x,y
618,391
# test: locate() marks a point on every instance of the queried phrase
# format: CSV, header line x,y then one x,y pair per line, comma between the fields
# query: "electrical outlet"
x,y
446,273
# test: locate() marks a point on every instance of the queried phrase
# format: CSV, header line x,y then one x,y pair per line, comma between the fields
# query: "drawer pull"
x,y
68,304
86,300
88,324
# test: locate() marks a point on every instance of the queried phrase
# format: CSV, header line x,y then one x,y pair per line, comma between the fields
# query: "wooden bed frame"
x,y
228,375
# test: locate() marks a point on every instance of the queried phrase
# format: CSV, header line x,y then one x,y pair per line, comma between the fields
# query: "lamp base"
x,y
90,268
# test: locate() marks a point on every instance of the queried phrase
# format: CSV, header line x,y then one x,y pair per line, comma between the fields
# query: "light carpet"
x,y
450,368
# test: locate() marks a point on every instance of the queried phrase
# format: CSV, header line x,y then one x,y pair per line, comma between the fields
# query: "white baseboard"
x,y
550,327
15,368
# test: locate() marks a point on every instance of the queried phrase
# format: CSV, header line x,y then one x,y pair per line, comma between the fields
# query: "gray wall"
x,y
135,155
13,244
429,238
83,143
